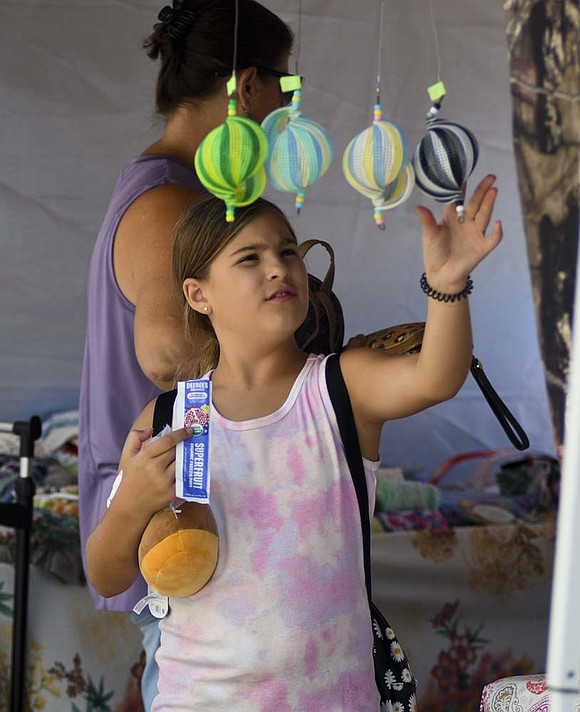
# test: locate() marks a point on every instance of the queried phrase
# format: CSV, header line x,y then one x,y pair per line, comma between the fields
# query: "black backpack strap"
x,y
163,413
344,415
506,418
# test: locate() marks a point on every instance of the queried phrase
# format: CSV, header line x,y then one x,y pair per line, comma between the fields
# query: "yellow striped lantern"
x,y
444,159
230,161
376,164
299,150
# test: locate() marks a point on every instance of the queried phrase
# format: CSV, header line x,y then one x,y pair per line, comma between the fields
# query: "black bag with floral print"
x,y
395,682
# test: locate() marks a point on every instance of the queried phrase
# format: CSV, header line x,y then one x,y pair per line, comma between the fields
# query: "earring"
x,y
205,308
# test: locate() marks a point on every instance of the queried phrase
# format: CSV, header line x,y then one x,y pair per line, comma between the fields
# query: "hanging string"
x,y
436,39
380,50
298,35
235,57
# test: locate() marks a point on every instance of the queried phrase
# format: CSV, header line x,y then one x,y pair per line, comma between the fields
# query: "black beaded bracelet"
x,y
440,297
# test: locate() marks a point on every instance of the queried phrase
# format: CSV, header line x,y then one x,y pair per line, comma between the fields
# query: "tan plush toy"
x,y
178,552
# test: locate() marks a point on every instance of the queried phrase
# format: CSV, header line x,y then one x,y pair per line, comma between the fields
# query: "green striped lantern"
x,y
230,161
300,150
376,163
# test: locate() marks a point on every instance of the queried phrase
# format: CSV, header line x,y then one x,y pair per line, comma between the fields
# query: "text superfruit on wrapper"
x,y
192,409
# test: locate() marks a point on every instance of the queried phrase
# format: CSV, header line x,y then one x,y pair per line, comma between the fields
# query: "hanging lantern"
x,y
376,164
444,159
394,194
299,150
230,161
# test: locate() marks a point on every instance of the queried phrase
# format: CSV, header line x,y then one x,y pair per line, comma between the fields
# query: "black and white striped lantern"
x,y
443,160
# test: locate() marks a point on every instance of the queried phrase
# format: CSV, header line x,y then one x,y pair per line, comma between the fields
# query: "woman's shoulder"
x,y
154,170
158,209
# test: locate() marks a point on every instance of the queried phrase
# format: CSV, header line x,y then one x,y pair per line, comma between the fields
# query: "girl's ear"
x,y
195,296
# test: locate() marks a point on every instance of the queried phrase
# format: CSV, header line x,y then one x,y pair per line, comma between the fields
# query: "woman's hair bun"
x,y
176,21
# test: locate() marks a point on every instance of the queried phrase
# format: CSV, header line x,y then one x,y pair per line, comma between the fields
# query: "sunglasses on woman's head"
x,y
288,82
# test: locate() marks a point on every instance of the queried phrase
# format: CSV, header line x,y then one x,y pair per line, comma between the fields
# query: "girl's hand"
x,y
149,472
452,249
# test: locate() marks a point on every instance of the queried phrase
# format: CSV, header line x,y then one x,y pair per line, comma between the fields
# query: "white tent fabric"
x,y
76,96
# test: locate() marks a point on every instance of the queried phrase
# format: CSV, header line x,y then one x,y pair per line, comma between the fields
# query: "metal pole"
x,y
28,431
563,668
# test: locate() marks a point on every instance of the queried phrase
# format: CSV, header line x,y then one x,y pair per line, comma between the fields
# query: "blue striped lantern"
x,y
443,160
299,150
376,164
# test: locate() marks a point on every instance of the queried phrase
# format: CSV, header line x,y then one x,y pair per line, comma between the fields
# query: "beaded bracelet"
x,y
440,297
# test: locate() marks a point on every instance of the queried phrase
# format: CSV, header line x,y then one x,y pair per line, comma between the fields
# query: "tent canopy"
x,y
76,96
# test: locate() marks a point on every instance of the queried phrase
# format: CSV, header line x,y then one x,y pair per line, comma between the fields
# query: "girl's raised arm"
x,y
384,387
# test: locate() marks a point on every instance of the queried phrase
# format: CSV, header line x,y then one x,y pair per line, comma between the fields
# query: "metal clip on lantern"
x,y
18,515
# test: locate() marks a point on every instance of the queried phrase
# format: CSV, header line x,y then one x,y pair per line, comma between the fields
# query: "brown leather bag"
x,y
407,339
322,332
399,339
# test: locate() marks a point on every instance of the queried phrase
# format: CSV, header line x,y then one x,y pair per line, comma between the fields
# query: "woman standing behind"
x,y
134,340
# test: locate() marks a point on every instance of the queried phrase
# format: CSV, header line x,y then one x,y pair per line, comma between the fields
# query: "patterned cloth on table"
x,y
524,693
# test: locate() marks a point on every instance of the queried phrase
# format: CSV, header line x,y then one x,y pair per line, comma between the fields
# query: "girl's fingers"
x,y
426,217
478,197
483,216
168,442
496,235
135,440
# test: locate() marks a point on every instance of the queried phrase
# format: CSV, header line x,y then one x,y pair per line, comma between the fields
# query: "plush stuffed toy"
x,y
178,552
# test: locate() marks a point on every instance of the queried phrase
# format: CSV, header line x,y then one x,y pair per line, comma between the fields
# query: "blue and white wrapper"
x,y
192,408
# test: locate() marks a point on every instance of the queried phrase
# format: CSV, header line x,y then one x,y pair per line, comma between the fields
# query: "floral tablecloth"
x,y
470,605
79,660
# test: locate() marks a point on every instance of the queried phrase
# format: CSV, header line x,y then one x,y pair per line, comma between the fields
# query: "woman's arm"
x,y
142,259
384,387
148,485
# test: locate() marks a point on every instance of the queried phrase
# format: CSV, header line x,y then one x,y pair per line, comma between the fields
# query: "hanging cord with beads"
x,y
380,53
298,35
436,39
231,85
236,21
434,110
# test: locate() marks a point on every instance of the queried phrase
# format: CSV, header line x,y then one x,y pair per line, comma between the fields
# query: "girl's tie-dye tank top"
x,y
283,625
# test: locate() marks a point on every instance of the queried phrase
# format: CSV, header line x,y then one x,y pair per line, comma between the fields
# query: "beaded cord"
x,y
440,297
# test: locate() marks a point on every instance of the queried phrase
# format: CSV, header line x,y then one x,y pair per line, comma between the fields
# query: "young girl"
x,y
284,623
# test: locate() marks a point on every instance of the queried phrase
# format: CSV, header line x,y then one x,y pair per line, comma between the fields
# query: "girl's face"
x,y
258,284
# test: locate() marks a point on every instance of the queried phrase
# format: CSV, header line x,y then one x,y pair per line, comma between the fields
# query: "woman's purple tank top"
x,y
114,389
